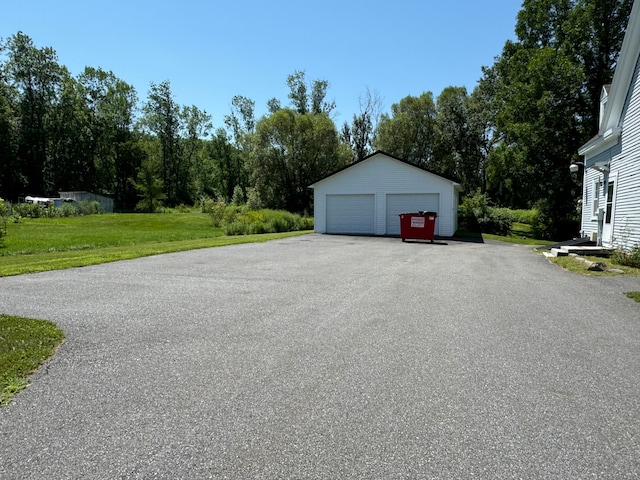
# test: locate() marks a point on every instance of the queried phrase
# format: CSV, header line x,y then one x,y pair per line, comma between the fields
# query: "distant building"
x,y
105,202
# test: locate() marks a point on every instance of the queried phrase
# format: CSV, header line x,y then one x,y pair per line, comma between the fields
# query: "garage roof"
x,y
380,152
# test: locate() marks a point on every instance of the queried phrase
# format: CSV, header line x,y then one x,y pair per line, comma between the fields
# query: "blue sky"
x,y
213,50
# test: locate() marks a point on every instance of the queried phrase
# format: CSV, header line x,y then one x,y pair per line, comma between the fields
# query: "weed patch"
x,y
634,296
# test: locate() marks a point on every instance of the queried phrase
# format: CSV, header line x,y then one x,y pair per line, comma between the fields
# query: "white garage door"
x,y
350,214
409,202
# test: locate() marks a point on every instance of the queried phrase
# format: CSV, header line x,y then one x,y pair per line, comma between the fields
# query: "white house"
x,y
366,197
611,188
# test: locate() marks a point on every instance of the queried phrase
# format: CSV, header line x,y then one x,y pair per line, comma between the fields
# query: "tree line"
x,y
512,137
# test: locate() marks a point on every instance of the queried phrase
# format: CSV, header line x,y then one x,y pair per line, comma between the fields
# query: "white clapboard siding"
x,y
381,175
623,158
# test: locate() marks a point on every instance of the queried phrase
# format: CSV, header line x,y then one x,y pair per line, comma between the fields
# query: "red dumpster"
x,y
419,226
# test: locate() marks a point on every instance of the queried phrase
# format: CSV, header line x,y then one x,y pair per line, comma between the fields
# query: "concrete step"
x,y
588,251
558,252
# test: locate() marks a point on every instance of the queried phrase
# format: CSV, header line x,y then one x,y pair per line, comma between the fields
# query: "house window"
x,y
609,202
596,199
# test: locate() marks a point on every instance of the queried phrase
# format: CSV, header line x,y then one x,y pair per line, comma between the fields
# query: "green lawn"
x,y
576,266
520,234
42,244
24,345
37,235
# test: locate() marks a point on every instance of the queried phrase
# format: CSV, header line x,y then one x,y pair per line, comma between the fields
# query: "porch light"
x,y
575,166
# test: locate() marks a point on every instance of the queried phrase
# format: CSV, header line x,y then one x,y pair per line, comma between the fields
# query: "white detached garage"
x,y
366,197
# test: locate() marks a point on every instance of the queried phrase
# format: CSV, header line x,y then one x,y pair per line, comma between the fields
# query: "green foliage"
x,y
71,209
5,211
292,151
238,196
550,224
217,209
629,259
476,214
266,221
524,216
150,188
409,133
25,345
242,220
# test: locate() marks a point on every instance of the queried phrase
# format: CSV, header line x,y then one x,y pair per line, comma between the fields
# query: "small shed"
x,y
106,203
366,197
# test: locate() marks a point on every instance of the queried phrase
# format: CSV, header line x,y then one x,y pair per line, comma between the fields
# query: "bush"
x,y
524,216
496,222
5,211
551,224
73,209
475,214
248,222
29,210
629,259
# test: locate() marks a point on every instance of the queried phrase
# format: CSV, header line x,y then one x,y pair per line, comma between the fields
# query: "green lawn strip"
x,y
39,235
576,266
42,262
25,344
518,236
517,239
634,296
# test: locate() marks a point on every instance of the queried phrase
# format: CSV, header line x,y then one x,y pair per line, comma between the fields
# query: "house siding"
x,y
381,175
624,161
626,221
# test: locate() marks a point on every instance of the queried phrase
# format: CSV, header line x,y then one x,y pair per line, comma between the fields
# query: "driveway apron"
x,y
329,357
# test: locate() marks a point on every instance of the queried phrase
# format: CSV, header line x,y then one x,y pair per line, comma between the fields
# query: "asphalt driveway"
x,y
329,357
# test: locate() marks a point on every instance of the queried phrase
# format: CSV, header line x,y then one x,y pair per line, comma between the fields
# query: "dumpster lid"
x,y
421,212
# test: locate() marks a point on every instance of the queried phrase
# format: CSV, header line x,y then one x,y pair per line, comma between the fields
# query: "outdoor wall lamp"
x,y
575,166
601,167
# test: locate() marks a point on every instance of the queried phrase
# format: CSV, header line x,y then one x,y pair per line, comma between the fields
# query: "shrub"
x,y
5,211
629,259
475,214
524,216
216,210
551,224
248,222
29,210
496,221
238,196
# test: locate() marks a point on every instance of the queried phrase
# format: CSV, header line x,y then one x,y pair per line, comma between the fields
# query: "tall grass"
x,y
242,220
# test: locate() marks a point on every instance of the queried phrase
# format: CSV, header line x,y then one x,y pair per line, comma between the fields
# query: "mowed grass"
x,y
520,234
38,235
24,345
37,245
576,266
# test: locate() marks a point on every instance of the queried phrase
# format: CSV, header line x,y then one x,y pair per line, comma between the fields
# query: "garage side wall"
x,y
380,176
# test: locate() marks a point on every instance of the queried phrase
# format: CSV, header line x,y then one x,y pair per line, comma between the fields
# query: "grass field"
x,y
38,235
42,244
